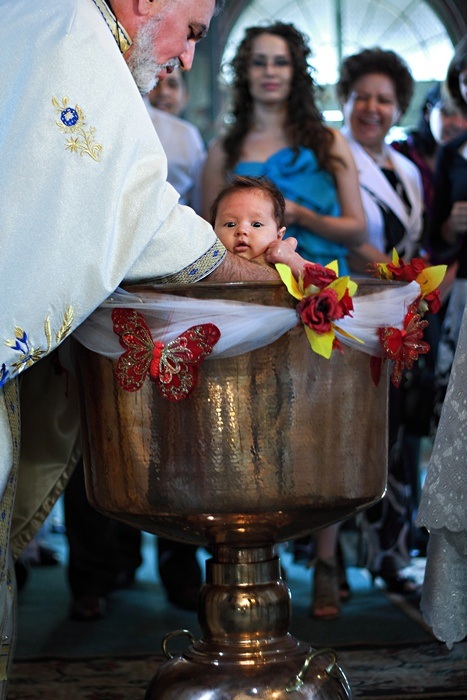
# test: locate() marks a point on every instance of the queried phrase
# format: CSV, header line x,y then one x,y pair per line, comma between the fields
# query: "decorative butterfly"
x,y
404,346
173,367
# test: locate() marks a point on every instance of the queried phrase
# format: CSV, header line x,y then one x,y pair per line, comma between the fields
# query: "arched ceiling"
x,y
423,32
452,13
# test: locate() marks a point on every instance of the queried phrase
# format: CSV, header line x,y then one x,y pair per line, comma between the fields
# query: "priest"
x,y
84,200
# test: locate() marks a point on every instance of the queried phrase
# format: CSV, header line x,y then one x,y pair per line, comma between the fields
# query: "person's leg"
x,y
129,557
387,524
93,564
180,572
326,597
303,549
326,542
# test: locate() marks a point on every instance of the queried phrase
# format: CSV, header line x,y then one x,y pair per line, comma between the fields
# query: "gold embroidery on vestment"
x,y
66,325
72,121
29,356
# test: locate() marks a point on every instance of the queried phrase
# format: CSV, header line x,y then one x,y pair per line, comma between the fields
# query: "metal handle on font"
x,y
299,679
171,635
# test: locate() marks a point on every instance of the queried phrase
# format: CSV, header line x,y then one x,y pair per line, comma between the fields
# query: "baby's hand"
x,y
281,251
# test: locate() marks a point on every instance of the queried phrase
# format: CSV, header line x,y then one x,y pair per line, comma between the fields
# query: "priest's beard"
x,y
142,60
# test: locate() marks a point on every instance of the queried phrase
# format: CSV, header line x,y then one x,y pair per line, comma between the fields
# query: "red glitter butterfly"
x,y
404,346
174,367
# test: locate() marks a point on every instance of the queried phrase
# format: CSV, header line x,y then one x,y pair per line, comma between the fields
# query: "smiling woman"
x,y
375,88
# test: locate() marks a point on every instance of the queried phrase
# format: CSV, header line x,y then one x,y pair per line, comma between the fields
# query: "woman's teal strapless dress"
x,y
300,179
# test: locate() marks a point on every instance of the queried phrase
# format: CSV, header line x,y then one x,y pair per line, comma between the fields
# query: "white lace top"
x,y
443,510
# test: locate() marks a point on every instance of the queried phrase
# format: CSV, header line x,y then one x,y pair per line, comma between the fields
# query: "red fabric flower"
x,y
404,346
434,301
346,303
318,311
407,272
317,275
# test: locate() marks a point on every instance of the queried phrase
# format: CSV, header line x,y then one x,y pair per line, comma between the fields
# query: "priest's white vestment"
x,y
84,203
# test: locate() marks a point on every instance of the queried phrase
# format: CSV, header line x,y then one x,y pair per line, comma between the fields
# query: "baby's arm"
x,y
283,251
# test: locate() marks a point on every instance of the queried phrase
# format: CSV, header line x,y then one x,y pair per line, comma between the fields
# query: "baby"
x,y
248,215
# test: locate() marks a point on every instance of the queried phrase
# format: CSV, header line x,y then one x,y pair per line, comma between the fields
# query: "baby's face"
x,y
245,223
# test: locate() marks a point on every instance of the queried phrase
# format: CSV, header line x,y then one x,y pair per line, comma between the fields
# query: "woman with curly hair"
x,y
276,130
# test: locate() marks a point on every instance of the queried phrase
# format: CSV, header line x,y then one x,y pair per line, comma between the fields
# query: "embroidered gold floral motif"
x,y
65,328
73,121
30,355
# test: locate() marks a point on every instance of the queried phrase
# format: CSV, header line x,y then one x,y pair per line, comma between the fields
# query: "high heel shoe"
x,y
326,597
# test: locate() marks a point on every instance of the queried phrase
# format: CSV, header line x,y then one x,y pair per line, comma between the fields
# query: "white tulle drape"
x,y
243,326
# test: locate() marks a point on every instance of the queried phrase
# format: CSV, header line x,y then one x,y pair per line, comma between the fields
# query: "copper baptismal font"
x,y
272,444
